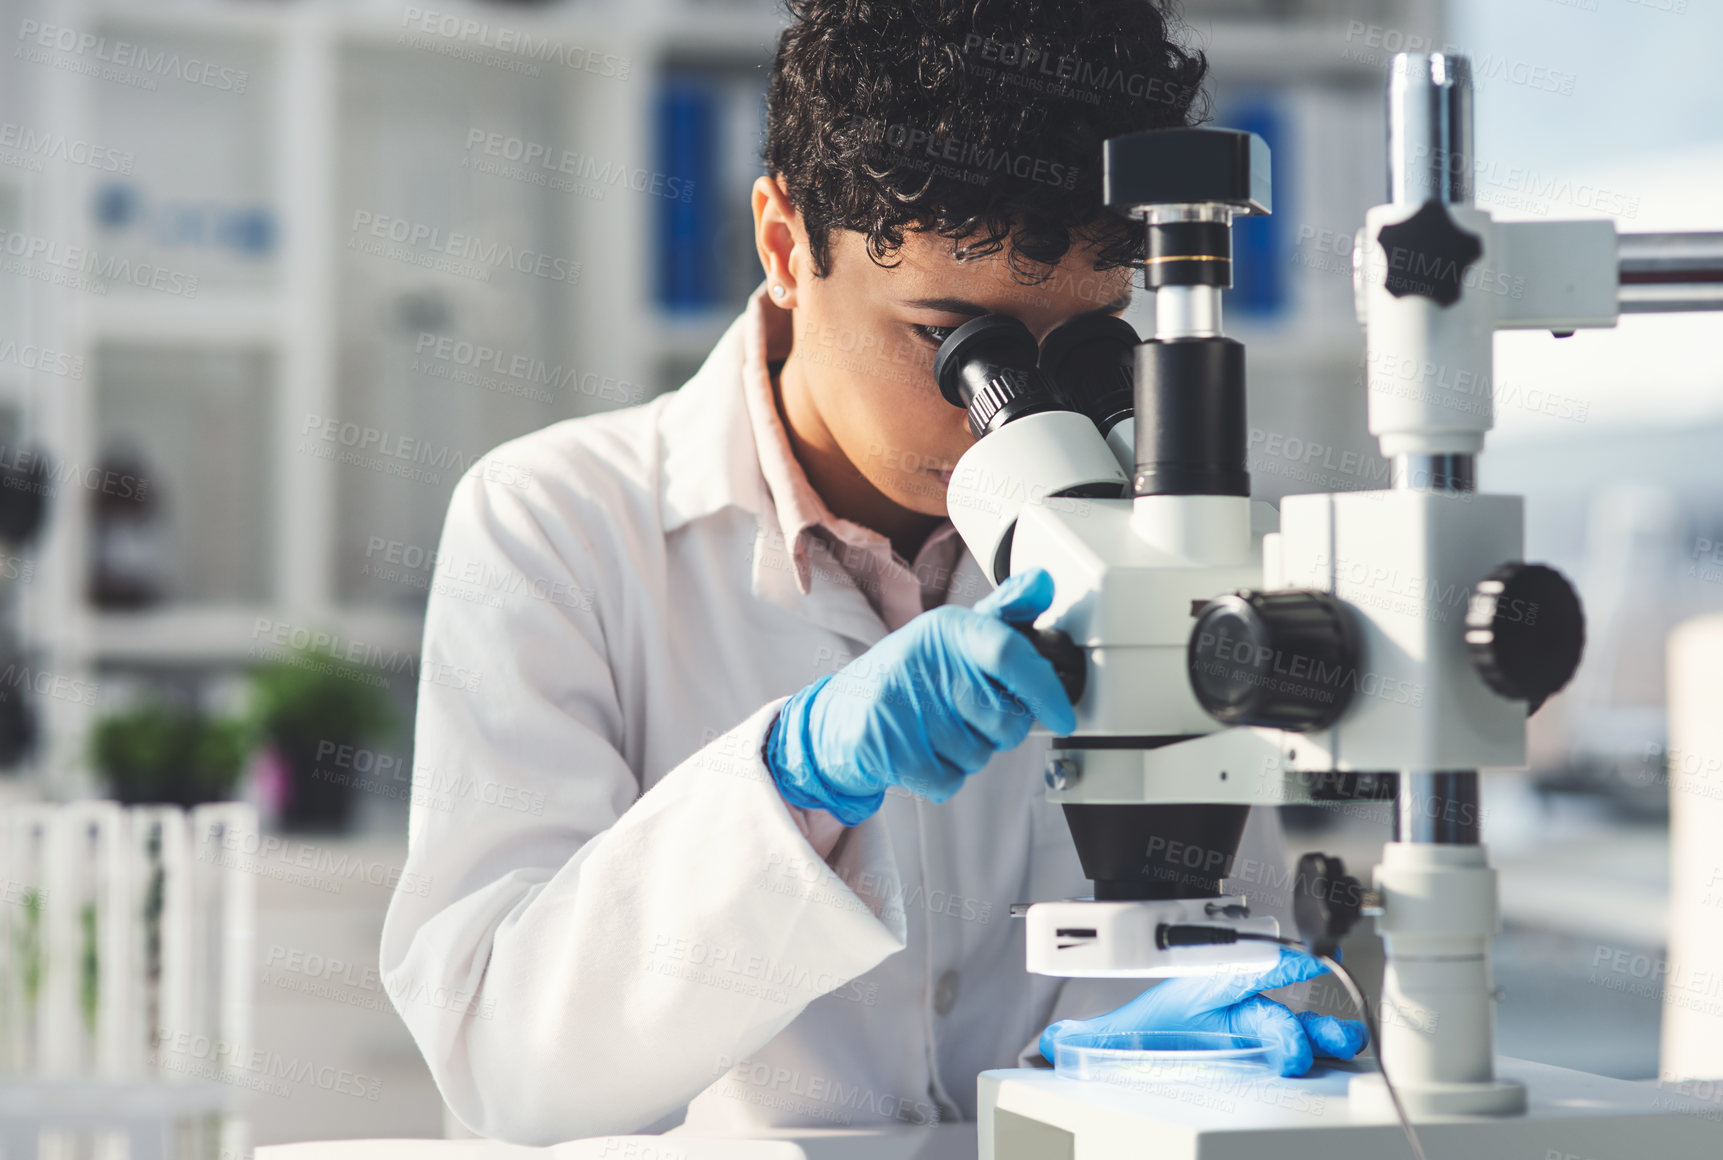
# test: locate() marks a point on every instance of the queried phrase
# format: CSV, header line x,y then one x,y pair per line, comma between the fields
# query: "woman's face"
x,y
865,351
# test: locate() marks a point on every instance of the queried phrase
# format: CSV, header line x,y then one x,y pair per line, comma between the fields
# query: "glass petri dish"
x,y
1147,1057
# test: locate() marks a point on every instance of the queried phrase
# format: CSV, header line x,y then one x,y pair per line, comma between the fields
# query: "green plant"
x,y
308,706
161,752
316,697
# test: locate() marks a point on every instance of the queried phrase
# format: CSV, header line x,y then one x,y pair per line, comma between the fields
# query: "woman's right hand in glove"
x,y
924,708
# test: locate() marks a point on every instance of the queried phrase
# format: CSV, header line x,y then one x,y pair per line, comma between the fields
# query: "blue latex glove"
x,y
1229,1003
924,708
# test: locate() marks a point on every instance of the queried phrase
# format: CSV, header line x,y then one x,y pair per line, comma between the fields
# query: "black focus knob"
x,y
1326,902
1525,630
1428,255
1280,660
1066,656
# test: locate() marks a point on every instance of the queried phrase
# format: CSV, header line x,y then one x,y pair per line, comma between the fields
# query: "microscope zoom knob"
x,y
1278,660
1525,631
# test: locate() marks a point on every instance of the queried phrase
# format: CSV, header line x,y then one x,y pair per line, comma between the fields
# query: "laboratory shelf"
x,y
231,320
242,634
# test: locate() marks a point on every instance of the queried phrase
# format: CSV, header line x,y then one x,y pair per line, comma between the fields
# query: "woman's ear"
x,y
777,230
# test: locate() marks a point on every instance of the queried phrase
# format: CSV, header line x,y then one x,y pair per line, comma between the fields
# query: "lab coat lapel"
x,y
706,457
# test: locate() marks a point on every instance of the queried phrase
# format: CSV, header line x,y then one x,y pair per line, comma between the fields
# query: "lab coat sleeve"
x,y
570,960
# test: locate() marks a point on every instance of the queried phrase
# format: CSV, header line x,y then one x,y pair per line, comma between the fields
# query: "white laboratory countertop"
x,y
942,1142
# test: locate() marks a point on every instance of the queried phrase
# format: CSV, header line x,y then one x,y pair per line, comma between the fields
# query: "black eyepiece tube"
x,y
1090,360
987,367
1190,418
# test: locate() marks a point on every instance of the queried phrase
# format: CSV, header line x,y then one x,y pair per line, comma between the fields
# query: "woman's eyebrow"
x,y
964,306
949,305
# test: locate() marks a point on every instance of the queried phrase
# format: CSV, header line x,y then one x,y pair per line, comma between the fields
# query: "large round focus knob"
x,y
1525,630
1280,660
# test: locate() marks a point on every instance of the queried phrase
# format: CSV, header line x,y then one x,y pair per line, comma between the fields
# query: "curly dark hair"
x,y
971,117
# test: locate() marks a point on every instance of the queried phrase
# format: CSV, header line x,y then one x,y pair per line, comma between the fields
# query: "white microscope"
x,y
1360,645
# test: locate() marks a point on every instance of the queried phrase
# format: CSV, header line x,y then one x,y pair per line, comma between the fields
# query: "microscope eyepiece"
x,y
1090,360
1032,444
987,367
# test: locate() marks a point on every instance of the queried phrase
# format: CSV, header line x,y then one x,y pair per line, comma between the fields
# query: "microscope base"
x,y
1033,1114
1502,1097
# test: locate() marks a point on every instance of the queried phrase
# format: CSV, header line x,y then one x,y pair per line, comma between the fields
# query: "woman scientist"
x,y
719,862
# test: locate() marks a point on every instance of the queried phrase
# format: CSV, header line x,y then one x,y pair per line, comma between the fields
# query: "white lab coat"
x,y
608,918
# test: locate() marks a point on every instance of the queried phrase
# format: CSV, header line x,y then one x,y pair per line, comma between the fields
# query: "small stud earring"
x,y
777,291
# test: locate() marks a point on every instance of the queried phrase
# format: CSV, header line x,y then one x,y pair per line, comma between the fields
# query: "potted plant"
x,y
168,754
308,707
